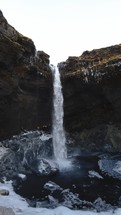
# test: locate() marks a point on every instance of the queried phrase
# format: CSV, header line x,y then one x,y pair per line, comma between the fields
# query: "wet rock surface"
x,y
25,83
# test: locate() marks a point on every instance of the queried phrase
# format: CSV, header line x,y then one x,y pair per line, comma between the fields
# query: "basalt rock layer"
x,y
25,83
92,98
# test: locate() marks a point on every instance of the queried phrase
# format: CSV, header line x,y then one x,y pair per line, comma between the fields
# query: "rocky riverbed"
x,y
85,182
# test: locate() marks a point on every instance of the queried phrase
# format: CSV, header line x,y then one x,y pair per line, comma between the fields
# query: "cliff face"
x,y
91,88
25,83
92,97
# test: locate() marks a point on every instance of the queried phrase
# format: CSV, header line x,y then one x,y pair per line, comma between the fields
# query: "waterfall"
x,y
59,138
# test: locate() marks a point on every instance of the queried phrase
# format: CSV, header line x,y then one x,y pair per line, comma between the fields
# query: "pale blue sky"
x,y
65,28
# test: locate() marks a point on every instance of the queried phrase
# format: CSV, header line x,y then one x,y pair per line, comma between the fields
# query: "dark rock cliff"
x,y
91,88
25,83
92,98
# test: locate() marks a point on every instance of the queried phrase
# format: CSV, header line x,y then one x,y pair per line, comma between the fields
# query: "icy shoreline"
x,y
21,207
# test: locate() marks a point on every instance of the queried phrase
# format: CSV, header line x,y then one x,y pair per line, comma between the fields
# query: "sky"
x,y
63,28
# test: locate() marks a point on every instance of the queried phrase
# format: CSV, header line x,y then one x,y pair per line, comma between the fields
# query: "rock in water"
x,y
50,185
93,174
43,167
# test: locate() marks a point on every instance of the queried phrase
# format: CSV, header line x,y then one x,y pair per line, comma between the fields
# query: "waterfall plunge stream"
x,y
59,138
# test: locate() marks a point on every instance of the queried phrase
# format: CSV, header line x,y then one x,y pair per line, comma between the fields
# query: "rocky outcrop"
x,y
26,153
92,98
25,83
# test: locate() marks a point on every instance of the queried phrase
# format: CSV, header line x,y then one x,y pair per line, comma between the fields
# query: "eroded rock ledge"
x,y
25,83
92,97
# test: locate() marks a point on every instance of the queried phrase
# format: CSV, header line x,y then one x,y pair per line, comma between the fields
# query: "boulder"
x,y
43,167
52,186
4,192
111,166
26,153
101,205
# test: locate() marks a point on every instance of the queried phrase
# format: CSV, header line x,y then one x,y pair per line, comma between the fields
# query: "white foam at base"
x,y
64,164
21,207
61,164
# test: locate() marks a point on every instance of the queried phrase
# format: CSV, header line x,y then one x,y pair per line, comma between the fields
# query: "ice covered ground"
x,y
20,206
